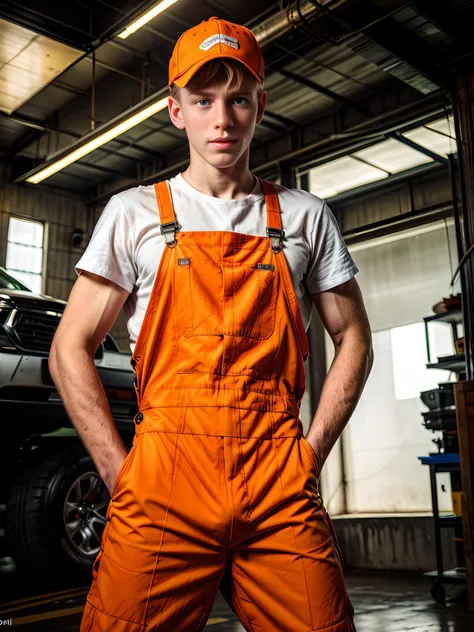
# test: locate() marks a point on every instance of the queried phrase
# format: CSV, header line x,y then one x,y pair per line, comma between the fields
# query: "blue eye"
x,y
242,100
201,101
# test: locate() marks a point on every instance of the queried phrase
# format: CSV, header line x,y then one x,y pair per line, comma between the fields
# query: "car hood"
x,y
23,298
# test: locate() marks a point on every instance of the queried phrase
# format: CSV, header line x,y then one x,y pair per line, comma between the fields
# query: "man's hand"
x,y
110,473
343,314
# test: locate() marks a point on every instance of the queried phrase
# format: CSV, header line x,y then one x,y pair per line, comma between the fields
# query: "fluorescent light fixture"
x,y
97,142
146,17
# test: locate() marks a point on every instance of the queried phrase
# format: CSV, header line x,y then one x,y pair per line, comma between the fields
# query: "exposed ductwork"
x,y
324,13
277,25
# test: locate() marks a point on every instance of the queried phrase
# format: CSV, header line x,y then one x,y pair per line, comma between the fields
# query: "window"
x,y
341,175
393,156
382,160
25,252
410,375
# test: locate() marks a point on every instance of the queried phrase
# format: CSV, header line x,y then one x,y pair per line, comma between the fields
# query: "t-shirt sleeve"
x,y
110,252
330,263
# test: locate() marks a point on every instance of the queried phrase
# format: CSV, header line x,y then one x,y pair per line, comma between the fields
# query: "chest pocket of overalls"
x,y
224,312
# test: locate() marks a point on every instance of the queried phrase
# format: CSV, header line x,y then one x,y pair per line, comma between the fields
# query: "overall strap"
x,y
168,223
274,229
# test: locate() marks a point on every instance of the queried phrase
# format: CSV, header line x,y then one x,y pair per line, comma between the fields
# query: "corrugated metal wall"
x,y
406,197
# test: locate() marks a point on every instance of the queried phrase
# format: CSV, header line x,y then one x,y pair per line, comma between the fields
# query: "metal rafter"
x,y
441,15
396,39
284,120
423,150
324,91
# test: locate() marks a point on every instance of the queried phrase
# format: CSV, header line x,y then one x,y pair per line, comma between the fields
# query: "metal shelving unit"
x,y
451,363
444,462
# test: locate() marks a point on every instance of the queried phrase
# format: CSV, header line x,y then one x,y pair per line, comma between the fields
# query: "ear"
x,y
176,113
262,102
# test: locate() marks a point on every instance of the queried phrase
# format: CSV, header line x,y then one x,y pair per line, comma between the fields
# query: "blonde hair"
x,y
215,72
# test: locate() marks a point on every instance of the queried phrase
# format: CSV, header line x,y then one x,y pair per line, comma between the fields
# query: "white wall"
x,y
401,278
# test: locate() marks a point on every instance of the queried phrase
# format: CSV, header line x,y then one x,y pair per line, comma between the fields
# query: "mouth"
x,y
226,143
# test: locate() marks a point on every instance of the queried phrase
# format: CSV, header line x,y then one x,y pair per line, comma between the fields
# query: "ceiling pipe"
x,y
277,25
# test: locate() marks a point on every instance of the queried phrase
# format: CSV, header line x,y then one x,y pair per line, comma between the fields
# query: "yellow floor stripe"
x,y
215,620
33,604
44,616
33,597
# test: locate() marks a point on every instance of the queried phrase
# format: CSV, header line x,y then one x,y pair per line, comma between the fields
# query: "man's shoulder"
x,y
135,195
142,196
298,199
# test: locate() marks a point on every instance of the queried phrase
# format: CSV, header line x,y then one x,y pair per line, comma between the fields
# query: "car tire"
x,y
56,513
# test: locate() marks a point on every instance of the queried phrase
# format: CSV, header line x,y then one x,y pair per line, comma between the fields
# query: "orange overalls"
x,y
220,488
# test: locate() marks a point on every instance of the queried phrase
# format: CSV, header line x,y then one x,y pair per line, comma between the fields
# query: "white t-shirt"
x,y
126,245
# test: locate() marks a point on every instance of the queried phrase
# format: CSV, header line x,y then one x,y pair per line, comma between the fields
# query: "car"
x,y
54,502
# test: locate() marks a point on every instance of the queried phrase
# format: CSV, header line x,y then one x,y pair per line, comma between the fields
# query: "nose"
x,y
223,115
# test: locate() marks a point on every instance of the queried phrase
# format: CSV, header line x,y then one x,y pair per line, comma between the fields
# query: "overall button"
x,y
138,417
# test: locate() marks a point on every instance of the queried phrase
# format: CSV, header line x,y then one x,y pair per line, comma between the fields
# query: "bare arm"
x,y
93,306
343,314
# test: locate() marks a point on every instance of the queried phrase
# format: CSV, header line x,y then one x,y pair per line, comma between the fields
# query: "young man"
x,y
218,270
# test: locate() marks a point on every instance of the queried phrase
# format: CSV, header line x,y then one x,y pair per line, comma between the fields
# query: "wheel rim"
x,y
85,511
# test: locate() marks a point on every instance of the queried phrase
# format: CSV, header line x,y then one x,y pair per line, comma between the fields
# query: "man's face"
x,y
219,122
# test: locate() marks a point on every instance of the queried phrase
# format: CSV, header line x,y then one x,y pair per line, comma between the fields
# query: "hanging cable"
x,y
449,246
461,263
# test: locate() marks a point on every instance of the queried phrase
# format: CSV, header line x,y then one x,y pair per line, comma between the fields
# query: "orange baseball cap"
x,y
214,39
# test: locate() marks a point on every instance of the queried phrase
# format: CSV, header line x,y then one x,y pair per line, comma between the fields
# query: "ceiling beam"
x,y
324,91
403,43
423,150
392,225
457,25
284,120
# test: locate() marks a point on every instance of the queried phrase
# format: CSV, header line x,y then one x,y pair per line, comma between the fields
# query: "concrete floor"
x,y
383,603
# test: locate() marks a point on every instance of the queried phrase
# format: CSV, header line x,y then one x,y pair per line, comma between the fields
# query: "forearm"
x,y
341,391
83,396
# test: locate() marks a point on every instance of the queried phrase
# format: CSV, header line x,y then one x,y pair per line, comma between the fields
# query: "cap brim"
x,y
182,80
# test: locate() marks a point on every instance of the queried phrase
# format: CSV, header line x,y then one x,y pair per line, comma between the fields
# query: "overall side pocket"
x,y
125,465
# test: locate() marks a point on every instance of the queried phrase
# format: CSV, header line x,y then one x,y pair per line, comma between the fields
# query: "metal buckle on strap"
x,y
169,232
276,238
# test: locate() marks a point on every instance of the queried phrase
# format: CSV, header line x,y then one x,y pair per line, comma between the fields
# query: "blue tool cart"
x,y
442,463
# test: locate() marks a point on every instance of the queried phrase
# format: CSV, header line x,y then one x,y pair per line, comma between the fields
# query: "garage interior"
x,y
370,107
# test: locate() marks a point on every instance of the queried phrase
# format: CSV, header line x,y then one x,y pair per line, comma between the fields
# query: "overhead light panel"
x,y
340,175
435,141
392,156
100,140
146,17
28,63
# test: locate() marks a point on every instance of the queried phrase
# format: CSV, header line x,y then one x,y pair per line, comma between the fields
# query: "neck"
x,y
230,183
